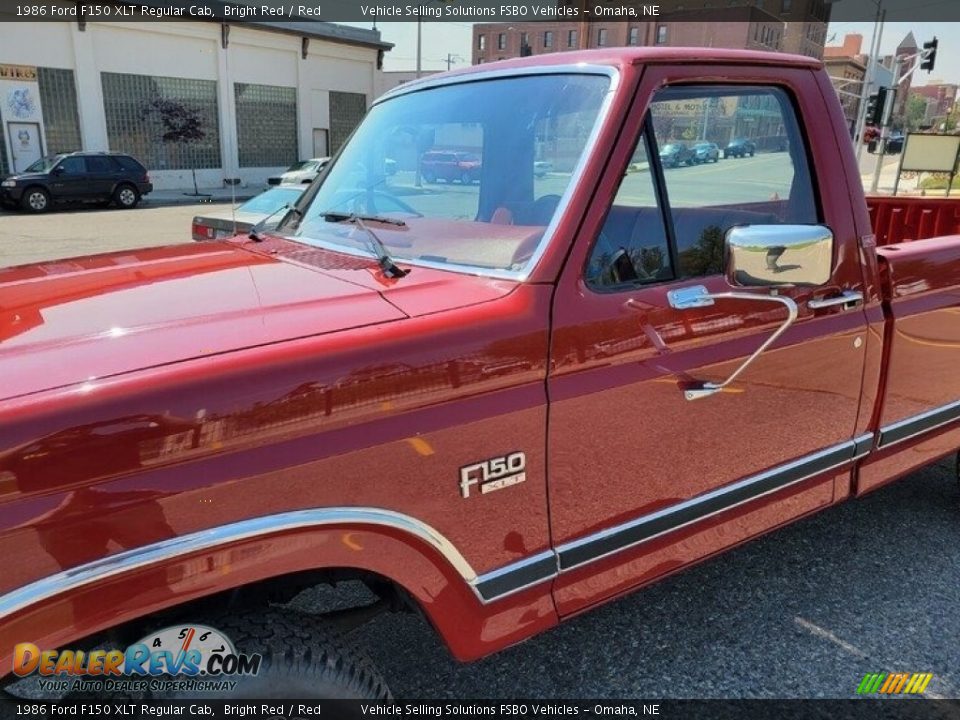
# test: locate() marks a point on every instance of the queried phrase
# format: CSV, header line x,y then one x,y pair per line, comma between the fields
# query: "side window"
x,y
73,166
758,174
728,156
101,164
632,247
129,164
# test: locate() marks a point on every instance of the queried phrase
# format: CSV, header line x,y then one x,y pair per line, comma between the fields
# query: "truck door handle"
x,y
847,297
697,296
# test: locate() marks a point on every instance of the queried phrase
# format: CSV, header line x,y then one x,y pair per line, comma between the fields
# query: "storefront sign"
x,y
18,72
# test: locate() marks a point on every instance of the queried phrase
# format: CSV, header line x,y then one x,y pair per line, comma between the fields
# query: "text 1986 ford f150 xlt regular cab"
x,y
497,403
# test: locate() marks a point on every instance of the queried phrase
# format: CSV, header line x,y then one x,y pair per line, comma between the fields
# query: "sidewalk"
x,y
159,198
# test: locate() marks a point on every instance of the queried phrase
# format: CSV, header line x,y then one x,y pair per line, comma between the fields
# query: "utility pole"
x,y
451,59
891,100
870,77
419,44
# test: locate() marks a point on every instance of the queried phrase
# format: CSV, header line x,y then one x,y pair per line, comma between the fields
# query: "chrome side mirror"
x,y
764,255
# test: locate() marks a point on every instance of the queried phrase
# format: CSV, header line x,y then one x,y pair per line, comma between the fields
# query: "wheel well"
x,y
343,590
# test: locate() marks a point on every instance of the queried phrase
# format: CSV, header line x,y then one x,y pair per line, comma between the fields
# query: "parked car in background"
x,y
895,144
214,226
301,173
542,167
739,147
439,165
706,152
77,177
676,154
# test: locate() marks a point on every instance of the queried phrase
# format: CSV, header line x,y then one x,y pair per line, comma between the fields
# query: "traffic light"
x,y
875,105
929,56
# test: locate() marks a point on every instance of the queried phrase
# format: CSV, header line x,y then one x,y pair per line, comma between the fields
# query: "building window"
x,y
58,98
602,37
267,138
346,111
633,37
786,5
661,34
571,38
501,41
481,42
548,39
135,105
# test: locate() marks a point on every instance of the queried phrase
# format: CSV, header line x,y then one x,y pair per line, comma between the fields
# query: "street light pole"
x,y
869,79
419,44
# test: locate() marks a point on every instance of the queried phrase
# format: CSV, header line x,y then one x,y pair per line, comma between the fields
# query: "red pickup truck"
x,y
498,404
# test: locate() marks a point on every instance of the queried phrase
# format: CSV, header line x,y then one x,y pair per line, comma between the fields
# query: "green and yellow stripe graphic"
x,y
894,683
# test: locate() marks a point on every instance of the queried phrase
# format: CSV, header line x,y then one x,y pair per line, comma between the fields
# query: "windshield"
x,y
44,165
271,200
456,164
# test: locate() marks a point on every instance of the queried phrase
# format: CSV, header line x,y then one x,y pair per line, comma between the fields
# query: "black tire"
x,y
303,657
35,199
126,196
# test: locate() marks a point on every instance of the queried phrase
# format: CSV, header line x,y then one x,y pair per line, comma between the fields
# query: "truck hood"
x,y
67,321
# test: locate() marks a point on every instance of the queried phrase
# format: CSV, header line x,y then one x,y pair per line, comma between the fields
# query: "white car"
x,y
228,223
301,173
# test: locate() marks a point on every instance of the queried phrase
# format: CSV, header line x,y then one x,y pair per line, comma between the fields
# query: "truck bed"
x,y
918,254
905,219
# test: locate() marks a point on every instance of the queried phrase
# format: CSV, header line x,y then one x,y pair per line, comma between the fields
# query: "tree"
x,y
181,124
916,112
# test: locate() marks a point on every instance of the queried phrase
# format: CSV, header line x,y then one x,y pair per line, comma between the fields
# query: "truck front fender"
x,y
81,601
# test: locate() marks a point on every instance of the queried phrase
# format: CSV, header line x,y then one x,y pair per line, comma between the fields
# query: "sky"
x,y
454,38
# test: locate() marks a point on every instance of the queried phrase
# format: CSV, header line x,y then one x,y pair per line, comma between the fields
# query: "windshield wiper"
x,y
340,216
254,233
386,263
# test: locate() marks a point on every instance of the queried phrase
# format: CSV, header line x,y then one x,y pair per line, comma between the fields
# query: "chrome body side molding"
x,y
490,586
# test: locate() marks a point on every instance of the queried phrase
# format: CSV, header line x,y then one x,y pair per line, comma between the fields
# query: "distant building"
x,y
794,26
265,94
906,48
385,81
941,98
847,74
848,67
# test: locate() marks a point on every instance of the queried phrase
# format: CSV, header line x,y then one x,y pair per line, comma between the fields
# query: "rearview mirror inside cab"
x,y
760,255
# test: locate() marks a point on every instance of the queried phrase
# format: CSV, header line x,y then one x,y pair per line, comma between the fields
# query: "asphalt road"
x,y
867,586
26,238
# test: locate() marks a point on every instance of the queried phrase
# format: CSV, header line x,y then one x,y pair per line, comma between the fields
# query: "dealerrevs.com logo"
x,y
180,658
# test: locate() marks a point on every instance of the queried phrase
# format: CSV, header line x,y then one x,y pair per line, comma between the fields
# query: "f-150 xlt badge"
x,y
493,474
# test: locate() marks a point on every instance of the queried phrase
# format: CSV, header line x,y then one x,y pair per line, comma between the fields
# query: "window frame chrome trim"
x,y
611,72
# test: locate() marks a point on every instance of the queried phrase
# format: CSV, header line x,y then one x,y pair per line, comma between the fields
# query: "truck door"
x,y
644,476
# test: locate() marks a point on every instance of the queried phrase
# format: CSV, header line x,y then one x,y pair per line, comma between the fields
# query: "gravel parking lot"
x,y
26,238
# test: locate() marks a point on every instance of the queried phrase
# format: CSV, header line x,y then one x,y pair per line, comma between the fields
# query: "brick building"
x,y
940,97
796,26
